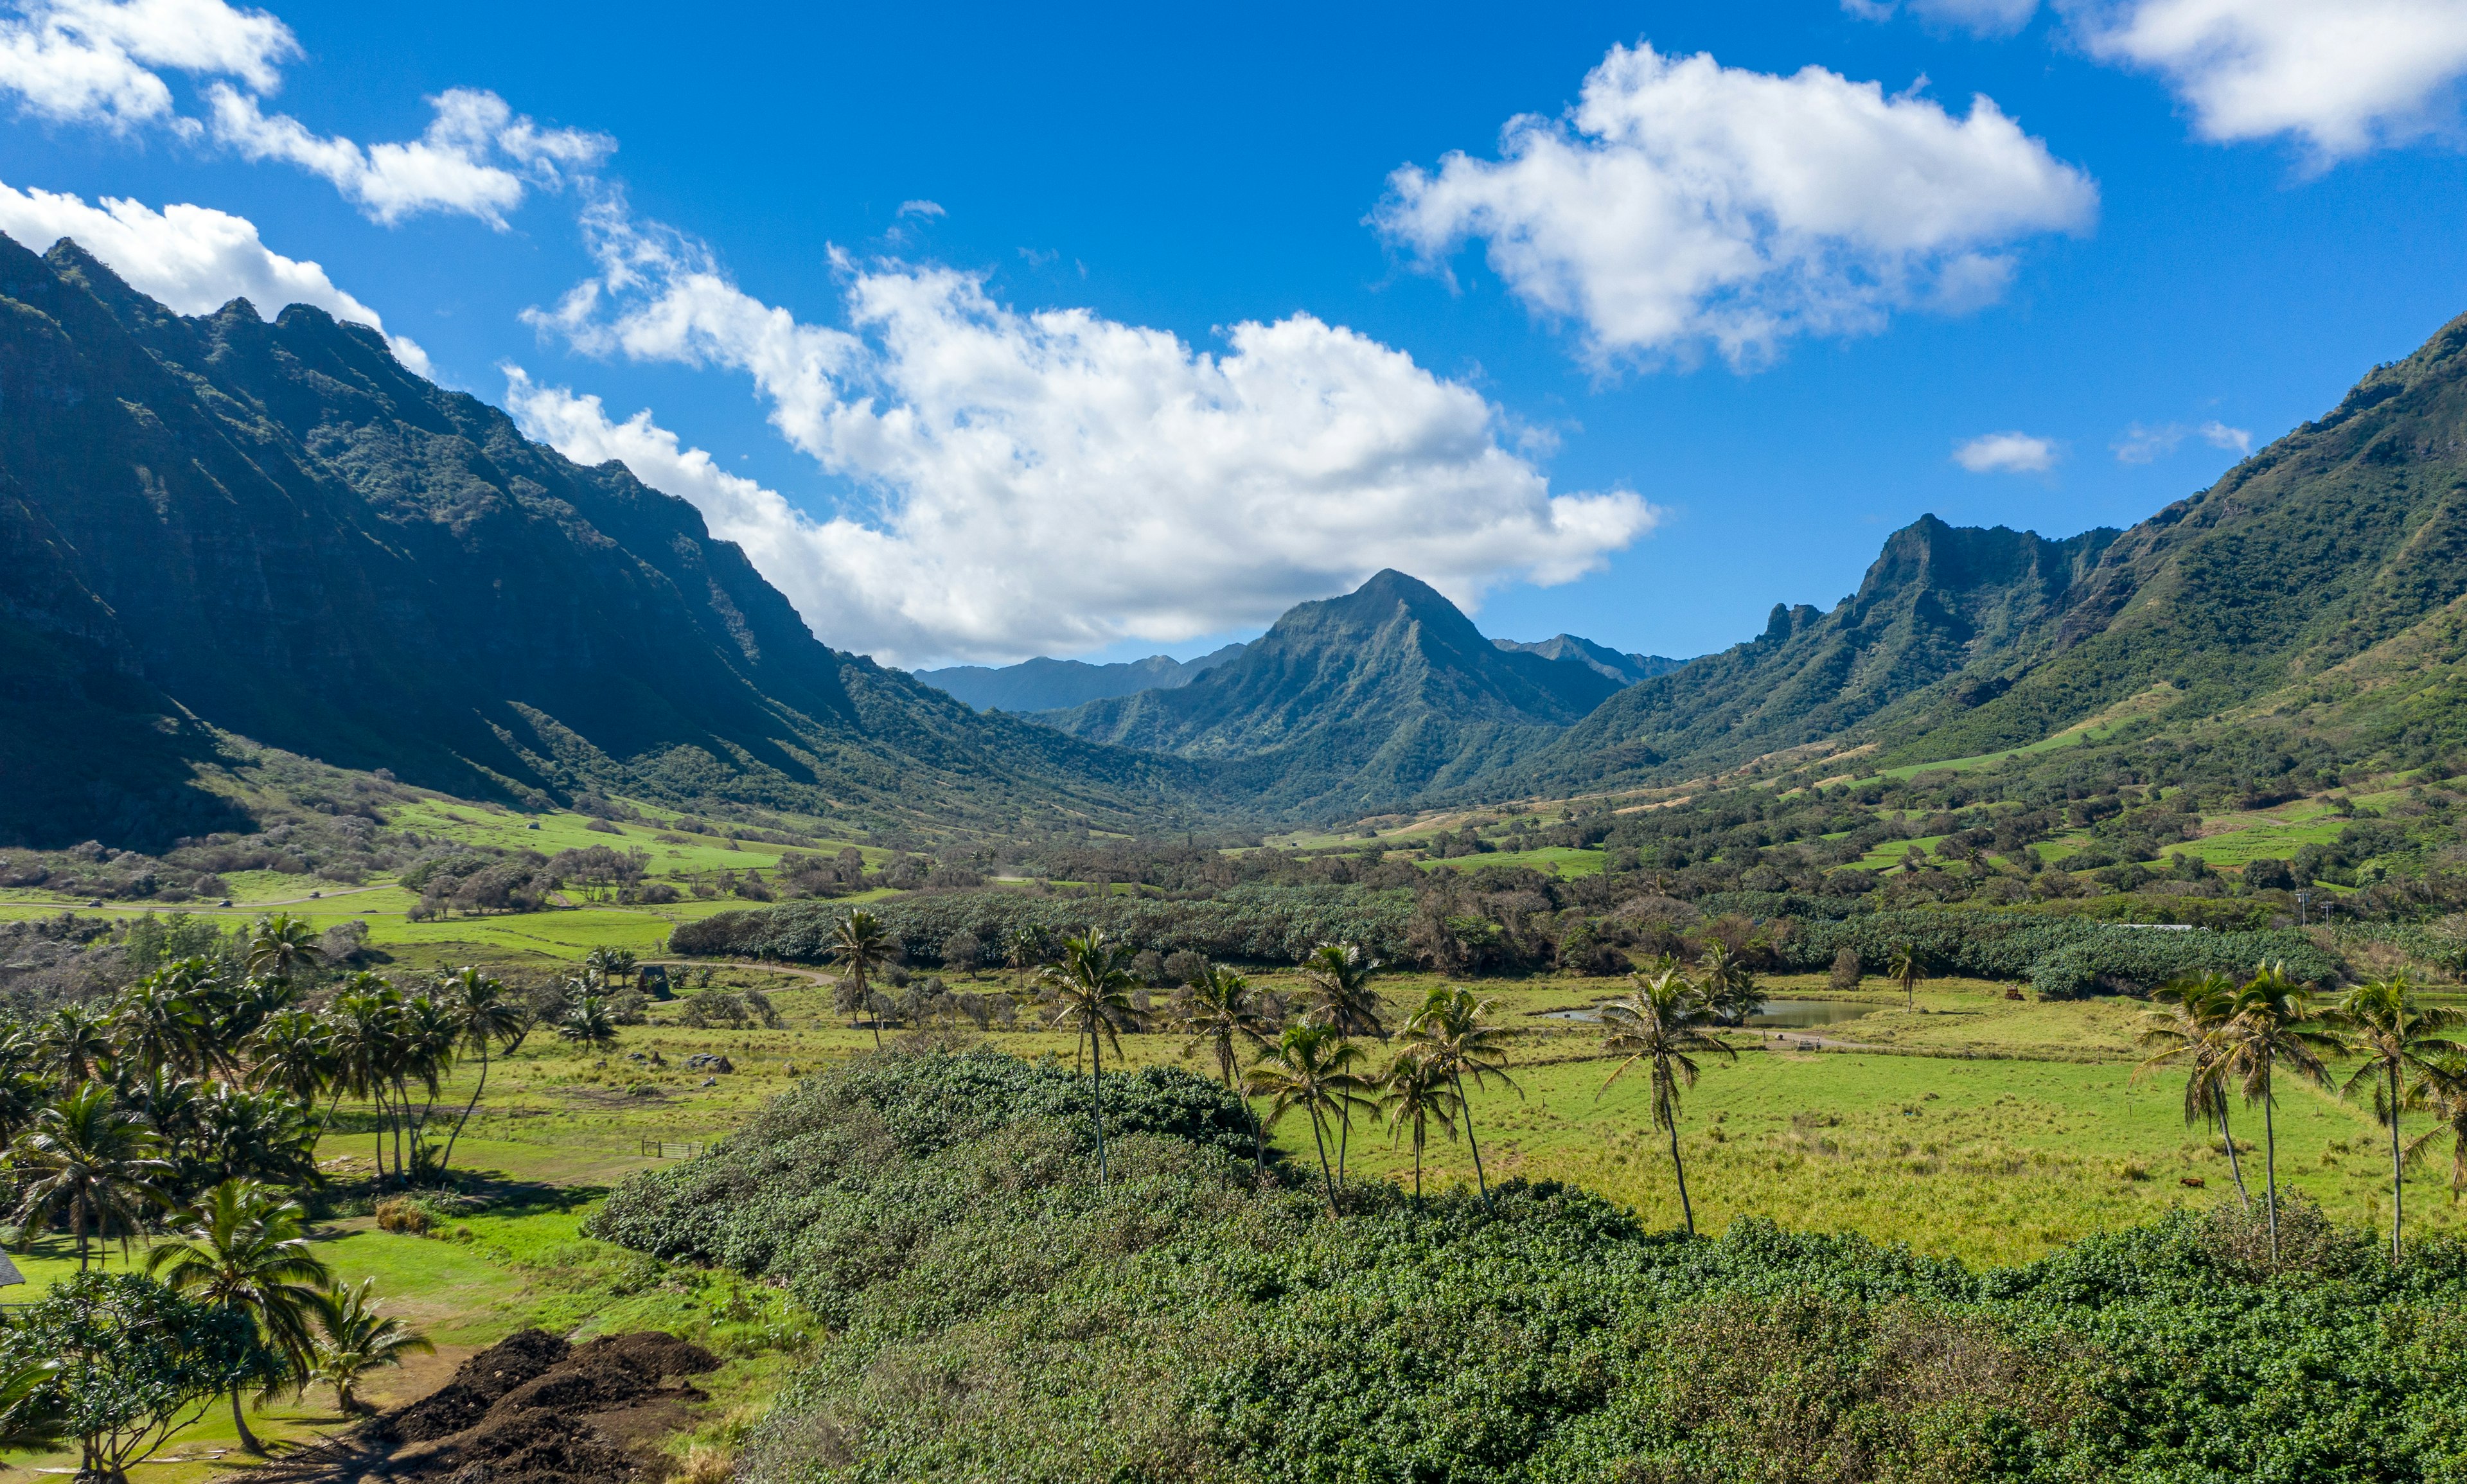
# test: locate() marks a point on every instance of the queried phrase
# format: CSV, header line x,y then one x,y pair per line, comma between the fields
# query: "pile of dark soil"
x,y
521,1411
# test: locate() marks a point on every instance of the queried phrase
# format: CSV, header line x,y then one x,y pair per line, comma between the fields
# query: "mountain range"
x,y
1355,704
216,526
1043,685
217,532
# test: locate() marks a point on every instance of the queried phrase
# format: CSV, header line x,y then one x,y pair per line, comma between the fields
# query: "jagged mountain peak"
x,y
277,530
1370,697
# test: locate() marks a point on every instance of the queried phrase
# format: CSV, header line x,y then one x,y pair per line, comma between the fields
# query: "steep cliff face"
x,y
275,530
2340,537
1937,600
1360,702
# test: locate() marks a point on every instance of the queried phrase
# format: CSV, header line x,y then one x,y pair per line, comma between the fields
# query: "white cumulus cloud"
x,y
477,156
102,63
2006,453
1055,481
94,61
193,258
1684,203
2344,78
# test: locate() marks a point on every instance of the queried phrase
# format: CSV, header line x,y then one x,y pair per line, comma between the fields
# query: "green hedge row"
x,y
2062,958
1251,924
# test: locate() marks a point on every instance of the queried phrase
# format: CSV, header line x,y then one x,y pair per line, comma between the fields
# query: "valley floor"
x,y
1972,1126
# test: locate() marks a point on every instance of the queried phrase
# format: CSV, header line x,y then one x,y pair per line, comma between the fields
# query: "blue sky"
x,y
952,297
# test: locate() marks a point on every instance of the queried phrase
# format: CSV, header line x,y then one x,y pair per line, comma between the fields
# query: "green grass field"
x,y
1971,1126
1554,860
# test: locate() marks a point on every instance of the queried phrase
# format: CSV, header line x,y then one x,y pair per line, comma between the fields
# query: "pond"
x,y
1777,1014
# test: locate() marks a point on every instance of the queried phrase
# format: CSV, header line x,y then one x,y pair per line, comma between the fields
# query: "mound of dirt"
x,y
511,1361
520,1411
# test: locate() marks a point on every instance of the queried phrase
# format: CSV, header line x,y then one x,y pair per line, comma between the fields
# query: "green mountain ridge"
x,y
1355,703
216,525
2347,534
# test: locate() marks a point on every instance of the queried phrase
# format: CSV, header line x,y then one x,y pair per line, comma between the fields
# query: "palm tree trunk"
x,y
1097,1098
401,1115
1320,1139
448,1163
2270,1164
1679,1167
1343,1136
2398,1170
1418,1164
1258,1135
2234,1167
1481,1181
239,1419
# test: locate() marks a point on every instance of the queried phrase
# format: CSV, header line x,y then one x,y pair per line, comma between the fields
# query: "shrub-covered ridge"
x,y
998,1316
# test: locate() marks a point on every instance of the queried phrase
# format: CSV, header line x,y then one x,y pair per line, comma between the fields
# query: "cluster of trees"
x,y
187,1107
232,1301
2235,1038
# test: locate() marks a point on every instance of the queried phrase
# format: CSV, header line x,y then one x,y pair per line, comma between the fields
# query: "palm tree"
x,y
1729,989
2275,1025
357,1341
1091,992
281,947
260,1135
1339,978
91,1162
1341,995
366,1043
156,1025
1217,1010
1907,966
292,1052
1310,1068
27,1425
2402,1044
2443,1093
609,967
1662,1022
1023,947
2196,1030
240,1008
586,1021
74,1042
862,945
243,1248
1454,1029
1415,1090
430,1034
484,1017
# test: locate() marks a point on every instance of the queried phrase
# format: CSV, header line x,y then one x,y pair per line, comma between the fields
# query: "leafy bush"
x,y
830,1154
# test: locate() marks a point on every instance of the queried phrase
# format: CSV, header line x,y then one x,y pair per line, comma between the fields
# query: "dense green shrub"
x,y
862,1138
2063,956
1252,924
997,1315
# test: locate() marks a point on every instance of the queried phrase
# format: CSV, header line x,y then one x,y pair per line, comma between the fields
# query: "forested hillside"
x,y
1357,703
221,525
2322,573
